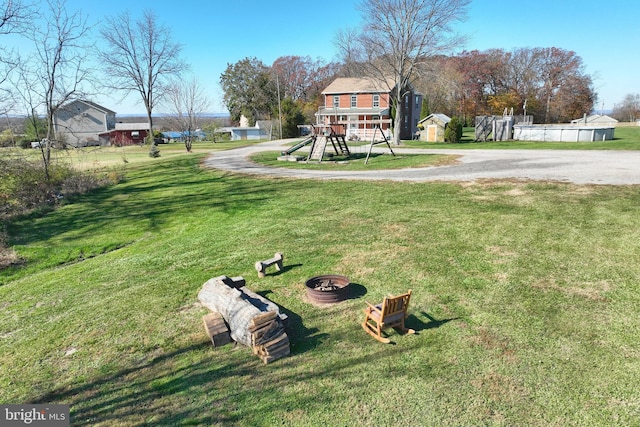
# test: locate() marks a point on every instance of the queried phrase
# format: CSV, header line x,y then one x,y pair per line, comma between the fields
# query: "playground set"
x,y
322,135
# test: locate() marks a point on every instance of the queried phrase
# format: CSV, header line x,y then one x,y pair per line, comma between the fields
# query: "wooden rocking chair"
x,y
391,313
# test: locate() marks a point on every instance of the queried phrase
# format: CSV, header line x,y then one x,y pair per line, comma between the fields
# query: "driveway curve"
x,y
572,166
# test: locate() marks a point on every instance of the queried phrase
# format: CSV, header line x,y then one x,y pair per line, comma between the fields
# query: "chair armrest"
x,y
372,307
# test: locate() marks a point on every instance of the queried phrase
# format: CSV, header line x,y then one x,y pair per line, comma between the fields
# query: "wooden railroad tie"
x,y
261,266
216,329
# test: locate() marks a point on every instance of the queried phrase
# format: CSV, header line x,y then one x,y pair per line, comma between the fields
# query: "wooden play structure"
x,y
325,134
333,135
390,314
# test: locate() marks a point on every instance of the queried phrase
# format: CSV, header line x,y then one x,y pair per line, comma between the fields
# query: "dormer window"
x,y
376,100
354,101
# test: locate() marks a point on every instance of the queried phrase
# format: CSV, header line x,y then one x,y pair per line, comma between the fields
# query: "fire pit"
x,y
327,289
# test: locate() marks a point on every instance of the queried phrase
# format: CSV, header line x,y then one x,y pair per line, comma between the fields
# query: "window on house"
x,y
336,101
376,100
354,101
135,134
406,101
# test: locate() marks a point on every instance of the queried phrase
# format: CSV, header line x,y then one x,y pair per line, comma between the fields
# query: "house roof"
x,y
94,105
443,118
358,85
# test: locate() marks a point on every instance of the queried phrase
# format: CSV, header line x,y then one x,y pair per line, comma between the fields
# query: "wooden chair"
x,y
390,314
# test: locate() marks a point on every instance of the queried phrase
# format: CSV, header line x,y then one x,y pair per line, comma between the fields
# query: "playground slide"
x,y
298,146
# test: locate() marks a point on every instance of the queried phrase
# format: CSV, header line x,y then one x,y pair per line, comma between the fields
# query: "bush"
x,y
154,151
453,132
25,187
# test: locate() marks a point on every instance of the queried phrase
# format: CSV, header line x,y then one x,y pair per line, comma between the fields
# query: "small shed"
x,y
246,133
433,127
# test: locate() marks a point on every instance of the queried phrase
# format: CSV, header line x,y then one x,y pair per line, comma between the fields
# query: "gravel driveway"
x,y
572,166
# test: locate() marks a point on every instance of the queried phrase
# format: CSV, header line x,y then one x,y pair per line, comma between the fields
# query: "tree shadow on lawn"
x,y
147,206
130,210
213,387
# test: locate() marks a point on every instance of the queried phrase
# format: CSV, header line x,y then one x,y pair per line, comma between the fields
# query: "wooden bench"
x,y
261,266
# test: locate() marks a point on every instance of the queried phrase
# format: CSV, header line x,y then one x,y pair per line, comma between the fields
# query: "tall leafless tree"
x,y
57,71
187,101
398,35
14,19
629,109
141,57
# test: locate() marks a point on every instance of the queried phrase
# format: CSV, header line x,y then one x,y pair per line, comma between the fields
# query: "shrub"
x,y
154,151
453,132
24,185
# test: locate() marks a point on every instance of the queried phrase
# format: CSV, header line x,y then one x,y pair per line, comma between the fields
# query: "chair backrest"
x,y
391,306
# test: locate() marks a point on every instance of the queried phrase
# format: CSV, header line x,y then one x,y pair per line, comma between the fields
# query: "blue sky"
x,y
215,33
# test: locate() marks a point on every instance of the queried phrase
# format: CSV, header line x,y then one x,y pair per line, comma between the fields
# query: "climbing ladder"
x,y
339,144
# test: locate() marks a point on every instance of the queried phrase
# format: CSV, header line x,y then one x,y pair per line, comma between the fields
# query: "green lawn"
x,y
356,161
525,302
98,158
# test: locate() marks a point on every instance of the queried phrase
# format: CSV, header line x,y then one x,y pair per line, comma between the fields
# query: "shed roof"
x,y
443,118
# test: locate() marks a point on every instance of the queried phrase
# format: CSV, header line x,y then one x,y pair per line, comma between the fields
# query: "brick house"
x,y
358,104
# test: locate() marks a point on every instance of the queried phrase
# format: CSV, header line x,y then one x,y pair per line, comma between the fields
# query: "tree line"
x,y
548,83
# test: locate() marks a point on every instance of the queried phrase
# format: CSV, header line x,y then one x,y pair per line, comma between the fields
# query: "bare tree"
x,y
629,109
187,101
399,35
141,57
57,71
14,16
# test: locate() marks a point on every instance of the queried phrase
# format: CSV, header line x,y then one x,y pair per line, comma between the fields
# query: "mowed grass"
x,y
525,302
101,158
356,161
